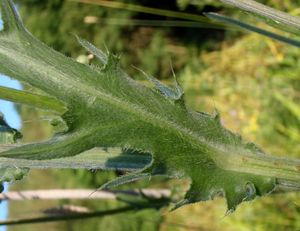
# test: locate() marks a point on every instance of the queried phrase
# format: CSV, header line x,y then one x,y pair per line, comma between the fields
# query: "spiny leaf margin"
x,y
107,108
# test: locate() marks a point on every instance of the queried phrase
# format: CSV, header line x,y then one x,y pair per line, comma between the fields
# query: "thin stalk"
x,y
55,218
153,23
255,29
31,99
151,204
150,10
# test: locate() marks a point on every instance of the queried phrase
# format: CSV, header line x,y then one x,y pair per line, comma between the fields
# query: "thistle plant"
x,y
102,107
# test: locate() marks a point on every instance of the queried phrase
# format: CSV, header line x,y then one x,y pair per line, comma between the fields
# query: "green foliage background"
x,y
253,81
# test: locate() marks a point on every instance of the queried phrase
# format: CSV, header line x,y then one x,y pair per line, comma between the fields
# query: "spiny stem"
x,y
283,169
260,164
28,98
112,159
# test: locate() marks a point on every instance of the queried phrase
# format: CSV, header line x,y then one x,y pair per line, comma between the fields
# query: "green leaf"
x,y
31,99
106,108
9,135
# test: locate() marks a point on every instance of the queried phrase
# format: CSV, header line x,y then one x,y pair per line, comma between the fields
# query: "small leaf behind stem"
x,y
9,135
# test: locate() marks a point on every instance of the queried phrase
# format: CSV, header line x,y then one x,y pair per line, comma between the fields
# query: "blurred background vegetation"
x,y
253,81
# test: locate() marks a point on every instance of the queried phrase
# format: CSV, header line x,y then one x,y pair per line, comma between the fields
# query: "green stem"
x,y
287,186
154,23
260,164
286,171
112,159
31,99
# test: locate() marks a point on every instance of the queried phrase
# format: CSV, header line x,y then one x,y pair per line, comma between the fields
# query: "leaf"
x,y
106,108
30,99
273,17
9,135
